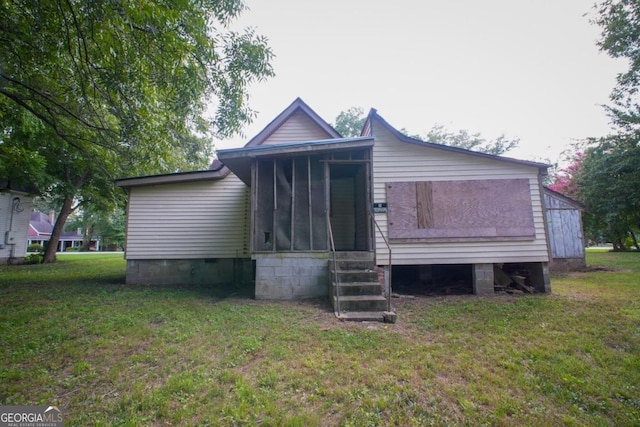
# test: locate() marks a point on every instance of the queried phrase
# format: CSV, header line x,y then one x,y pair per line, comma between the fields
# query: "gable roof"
x,y
40,227
217,169
367,130
566,199
297,105
40,223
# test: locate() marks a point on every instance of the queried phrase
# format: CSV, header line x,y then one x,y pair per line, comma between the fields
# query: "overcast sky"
x,y
529,69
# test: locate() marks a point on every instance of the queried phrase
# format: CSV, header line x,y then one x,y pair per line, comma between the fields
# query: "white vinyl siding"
x,y
298,127
205,219
397,161
15,222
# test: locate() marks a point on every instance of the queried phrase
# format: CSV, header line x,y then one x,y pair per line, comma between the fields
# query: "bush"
x,y
35,248
34,258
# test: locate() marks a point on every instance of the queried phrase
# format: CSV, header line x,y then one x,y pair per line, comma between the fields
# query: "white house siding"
x,y
16,222
193,220
397,161
298,127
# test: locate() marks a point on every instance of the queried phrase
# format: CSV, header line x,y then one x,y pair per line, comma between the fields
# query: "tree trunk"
x,y
52,245
87,232
635,240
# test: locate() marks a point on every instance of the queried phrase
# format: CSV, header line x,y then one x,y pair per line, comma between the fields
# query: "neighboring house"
x,y
15,206
566,237
41,227
277,211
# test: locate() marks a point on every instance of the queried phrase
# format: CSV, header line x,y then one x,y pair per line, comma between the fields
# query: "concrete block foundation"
x,y
539,276
292,275
210,271
483,279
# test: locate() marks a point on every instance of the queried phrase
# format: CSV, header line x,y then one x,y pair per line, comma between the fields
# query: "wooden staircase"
x,y
357,295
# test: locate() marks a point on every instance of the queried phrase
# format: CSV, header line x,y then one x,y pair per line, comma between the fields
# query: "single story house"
x,y
41,227
301,211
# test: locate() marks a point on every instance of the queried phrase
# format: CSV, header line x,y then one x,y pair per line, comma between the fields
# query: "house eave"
x,y
239,160
373,114
173,178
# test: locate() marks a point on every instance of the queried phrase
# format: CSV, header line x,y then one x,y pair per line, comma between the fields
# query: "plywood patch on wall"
x,y
465,210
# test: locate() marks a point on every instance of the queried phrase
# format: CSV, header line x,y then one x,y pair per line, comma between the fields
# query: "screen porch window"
x,y
289,204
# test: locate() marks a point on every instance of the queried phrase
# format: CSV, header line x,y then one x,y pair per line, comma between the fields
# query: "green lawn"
x,y
71,334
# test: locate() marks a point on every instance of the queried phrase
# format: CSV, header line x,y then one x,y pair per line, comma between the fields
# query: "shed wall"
x,y
206,219
397,161
566,238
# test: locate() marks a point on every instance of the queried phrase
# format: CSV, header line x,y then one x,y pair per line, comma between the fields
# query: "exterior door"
x,y
348,206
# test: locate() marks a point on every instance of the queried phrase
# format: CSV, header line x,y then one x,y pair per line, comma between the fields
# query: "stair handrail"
x,y
335,267
386,242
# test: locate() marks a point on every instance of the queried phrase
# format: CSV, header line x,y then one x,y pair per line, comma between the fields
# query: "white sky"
x,y
529,69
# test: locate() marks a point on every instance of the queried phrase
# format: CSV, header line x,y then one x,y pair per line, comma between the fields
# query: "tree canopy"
x,y
471,141
608,184
349,123
619,21
90,91
604,173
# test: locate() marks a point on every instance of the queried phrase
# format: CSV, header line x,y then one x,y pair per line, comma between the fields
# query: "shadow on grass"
x,y
213,291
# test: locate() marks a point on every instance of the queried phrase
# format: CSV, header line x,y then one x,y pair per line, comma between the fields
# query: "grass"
x,y
72,334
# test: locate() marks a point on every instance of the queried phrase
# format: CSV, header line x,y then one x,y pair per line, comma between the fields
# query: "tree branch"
x,y
54,103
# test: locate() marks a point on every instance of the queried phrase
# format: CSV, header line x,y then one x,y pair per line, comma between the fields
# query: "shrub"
x,y
35,247
34,258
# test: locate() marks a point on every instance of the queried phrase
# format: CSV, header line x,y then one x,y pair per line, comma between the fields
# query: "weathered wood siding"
x,y
397,161
299,127
206,219
566,238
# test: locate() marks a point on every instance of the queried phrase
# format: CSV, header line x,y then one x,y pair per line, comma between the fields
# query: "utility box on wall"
x,y
11,237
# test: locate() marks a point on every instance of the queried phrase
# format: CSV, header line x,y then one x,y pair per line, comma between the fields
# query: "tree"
x,y
620,38
608,185
565,180
108,226
607,179
350,122
471,141
90,91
